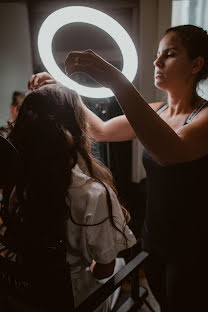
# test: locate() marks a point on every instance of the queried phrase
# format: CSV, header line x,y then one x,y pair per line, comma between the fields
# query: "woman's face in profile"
x,y
173,67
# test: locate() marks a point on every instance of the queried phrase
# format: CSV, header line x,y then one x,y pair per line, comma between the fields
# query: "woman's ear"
x,y
198,63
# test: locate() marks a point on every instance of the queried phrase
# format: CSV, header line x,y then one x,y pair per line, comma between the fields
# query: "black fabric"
x,y
175,233
176,211
38,278
10,163
178,287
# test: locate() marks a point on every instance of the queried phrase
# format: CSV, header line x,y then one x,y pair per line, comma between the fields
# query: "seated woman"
x,y
64,189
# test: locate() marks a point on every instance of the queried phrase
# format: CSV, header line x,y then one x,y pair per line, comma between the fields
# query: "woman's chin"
x,y
160,84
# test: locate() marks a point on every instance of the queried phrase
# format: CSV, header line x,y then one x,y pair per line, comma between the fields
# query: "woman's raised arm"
x,y
162,142
114,130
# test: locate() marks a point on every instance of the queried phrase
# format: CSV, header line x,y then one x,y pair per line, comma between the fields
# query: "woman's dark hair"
x,y
50,134
195,40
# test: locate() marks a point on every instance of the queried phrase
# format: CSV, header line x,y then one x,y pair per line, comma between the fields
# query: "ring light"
x,y
81,14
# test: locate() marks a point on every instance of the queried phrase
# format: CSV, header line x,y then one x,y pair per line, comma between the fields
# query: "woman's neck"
x,y
182,102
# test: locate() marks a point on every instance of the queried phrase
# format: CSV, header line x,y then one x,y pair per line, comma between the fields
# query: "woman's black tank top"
x,y
177,204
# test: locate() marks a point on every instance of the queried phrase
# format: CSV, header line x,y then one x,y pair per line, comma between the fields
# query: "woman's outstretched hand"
x,y
40,79
93,65
87,62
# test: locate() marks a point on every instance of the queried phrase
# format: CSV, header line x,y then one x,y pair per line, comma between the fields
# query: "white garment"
x,y
102,242
112,300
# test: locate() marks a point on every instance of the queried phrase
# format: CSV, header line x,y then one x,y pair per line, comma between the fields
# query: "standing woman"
x,y
174,135
176,160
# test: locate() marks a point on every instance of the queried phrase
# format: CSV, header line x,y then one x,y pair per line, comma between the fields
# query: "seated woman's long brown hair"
x,y
51,135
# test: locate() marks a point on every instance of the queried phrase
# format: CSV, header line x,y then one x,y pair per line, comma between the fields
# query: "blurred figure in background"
x,y
17,98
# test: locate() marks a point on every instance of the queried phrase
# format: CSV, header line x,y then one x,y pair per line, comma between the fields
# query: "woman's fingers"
x,y
81,60
34,82
47,82
37,80
76,61
30,82
91,64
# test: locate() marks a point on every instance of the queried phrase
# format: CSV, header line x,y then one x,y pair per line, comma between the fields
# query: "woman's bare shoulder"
x,y
156,105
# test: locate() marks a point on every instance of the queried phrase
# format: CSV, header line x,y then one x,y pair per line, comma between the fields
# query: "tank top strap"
x,y
191,116
195,112
162,108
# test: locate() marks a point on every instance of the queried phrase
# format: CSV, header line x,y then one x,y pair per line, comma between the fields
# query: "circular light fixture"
x,y
81,14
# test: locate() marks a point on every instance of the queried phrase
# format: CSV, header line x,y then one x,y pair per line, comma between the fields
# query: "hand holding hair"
x,y
38,80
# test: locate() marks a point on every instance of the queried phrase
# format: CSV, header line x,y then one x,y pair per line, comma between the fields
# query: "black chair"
x,y
134,299
11,282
